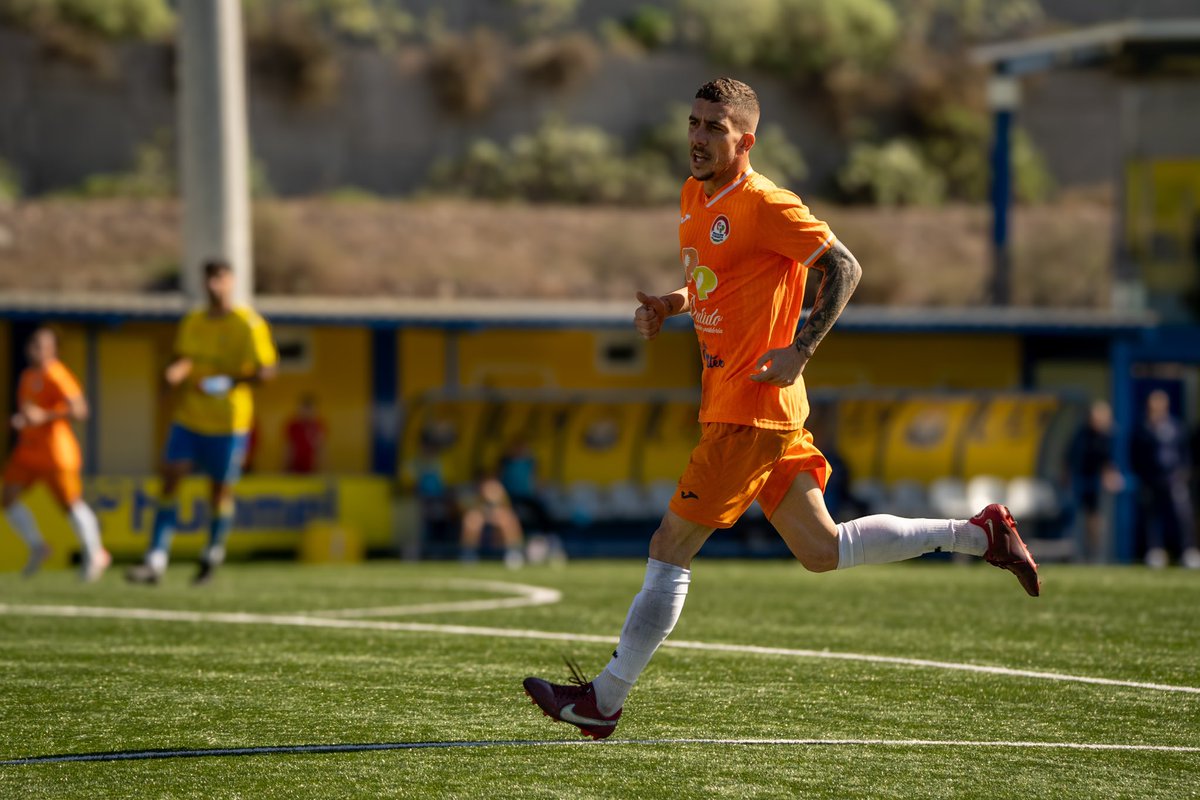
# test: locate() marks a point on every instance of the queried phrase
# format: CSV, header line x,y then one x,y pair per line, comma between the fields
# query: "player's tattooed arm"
x,y
840,272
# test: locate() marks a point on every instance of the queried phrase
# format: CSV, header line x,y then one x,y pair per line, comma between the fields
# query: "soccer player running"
x,y
746,247
221,351
48,400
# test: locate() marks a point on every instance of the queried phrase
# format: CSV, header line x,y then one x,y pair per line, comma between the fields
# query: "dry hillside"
x,y
464,249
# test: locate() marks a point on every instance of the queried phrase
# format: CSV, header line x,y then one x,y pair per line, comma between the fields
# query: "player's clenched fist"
x,y
649,316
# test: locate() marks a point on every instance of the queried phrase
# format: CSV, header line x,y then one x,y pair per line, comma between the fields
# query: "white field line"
x,y
292,620
525,596
144,755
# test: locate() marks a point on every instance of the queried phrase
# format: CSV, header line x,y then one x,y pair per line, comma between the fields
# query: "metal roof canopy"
x,y
1137,45
1133,47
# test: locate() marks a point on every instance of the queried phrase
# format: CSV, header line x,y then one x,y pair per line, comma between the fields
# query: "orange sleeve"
x,y
787,227
63,380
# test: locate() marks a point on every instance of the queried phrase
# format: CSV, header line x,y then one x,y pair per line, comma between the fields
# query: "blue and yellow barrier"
x,y
274,514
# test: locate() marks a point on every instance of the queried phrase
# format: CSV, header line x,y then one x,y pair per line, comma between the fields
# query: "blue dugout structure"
x,y
1111,345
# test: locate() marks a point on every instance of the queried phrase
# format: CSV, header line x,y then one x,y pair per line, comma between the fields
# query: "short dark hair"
x,y
215,266
741,99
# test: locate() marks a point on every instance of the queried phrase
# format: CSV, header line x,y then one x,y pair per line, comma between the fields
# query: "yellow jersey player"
x,y
746,247
48,399
221,351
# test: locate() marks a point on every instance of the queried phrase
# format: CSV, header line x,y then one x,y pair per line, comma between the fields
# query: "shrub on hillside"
x,y
291,51
10,184
560,164
560,62
81,31
891,174
465,70
106,19
957,143
796,39
650,26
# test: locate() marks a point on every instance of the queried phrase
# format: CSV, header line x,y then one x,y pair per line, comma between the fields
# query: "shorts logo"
x,y
719,231
688,496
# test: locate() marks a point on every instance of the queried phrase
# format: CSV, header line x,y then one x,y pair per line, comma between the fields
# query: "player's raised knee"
x,y
818,561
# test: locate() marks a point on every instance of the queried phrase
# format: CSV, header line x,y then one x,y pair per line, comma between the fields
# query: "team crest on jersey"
x,y
719,231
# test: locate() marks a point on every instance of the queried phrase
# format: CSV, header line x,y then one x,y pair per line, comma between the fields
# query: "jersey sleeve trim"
x,y
824,246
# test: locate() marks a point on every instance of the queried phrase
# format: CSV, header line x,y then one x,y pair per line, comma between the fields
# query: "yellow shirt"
x,y
234,344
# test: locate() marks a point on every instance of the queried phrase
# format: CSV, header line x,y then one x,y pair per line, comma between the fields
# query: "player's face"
x,y
41,349
718,146
219,286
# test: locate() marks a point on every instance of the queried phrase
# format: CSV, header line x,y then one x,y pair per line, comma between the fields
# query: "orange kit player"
x,y
746,247
48,399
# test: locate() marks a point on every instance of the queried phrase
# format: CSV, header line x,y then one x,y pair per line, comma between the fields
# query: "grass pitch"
x,y
262,659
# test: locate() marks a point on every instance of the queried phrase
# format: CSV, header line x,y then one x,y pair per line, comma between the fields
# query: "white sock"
x,y
157,560
652,616
883,538
214,555
86,527
22,521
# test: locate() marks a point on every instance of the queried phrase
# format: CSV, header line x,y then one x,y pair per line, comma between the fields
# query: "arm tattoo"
x,y
839,275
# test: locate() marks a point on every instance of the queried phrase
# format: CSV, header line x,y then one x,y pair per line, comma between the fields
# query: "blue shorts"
x,y
219,457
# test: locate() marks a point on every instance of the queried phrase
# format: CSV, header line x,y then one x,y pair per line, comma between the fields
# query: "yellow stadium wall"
x,y
532,358
338,373
128,407
891,360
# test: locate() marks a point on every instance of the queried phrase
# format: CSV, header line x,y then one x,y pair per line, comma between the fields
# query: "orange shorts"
x,y
733,465
64,484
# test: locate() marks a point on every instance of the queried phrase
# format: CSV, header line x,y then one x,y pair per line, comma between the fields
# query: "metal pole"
x,y
213,143
1003,97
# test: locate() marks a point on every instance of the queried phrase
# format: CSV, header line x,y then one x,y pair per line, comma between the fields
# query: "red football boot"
x,y
575,704
1005,548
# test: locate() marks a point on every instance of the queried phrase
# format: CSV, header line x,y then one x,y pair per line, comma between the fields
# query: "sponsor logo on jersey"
x,y
711,361
708,321
705,280
719,231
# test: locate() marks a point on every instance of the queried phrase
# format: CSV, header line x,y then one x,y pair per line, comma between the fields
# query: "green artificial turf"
x,y
107,685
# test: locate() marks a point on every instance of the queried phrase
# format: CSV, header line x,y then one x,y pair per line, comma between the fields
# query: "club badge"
x,y
719,231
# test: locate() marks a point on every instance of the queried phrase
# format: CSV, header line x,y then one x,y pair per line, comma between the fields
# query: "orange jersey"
x,y
746,252
51,446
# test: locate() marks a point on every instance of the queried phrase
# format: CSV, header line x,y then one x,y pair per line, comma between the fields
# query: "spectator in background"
x,y
487,504
1093,473
304,437
1162,463
433,497
518,474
